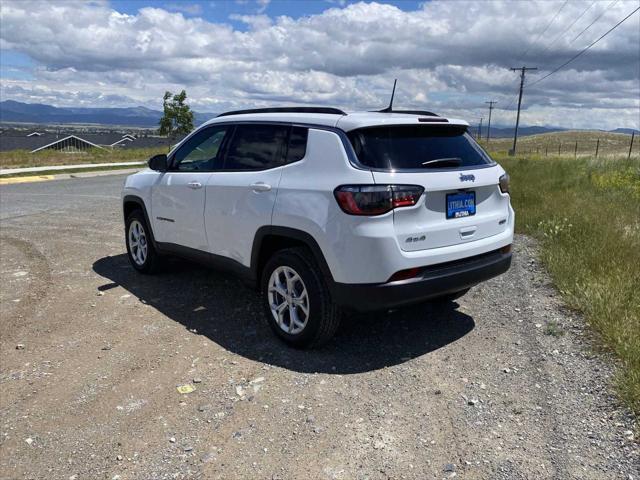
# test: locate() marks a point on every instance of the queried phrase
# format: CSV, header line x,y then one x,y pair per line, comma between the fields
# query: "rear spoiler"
x,y
433,120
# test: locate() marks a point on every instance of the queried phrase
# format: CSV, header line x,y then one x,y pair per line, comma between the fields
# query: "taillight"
x,y
504,183
376,199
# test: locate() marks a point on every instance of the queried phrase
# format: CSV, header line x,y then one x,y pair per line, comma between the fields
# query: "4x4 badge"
x,y
467,178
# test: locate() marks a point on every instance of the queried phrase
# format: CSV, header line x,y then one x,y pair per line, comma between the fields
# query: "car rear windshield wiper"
x,y
443,162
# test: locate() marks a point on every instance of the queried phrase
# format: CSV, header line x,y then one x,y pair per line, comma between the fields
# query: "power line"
x,y
585,49
513,99
596,19
543,31
569,27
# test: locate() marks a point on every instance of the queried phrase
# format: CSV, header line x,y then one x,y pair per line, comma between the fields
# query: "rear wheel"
x,y
297,303
142,255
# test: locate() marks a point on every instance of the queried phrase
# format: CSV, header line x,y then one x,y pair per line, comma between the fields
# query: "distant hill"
x,y
627,131
568,142
12,111
507,132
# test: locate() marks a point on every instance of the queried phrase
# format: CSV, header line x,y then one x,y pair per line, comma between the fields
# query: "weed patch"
x,y
586,215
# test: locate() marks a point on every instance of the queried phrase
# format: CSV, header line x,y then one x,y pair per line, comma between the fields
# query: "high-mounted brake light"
x,y
376,199
504,183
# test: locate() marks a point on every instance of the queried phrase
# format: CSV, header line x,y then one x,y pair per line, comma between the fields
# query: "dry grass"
x,y
611,144
586,214
23,158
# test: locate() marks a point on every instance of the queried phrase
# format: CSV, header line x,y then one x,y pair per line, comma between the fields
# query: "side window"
x,y
297,144
256,147
200,153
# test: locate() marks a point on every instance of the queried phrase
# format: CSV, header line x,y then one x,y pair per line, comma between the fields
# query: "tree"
x,y
178,117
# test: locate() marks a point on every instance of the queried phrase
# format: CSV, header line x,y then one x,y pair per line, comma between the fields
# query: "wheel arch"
x,y
133,202
270,239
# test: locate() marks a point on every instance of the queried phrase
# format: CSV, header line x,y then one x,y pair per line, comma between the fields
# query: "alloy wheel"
x,y
288,300
138,242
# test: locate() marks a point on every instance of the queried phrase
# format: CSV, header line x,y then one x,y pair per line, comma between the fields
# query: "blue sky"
x,y
223,11
220,10
449,56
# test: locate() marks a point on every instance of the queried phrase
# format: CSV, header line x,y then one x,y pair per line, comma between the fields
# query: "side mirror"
x,y
159,163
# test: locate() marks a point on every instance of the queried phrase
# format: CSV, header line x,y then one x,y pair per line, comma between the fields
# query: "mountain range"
x,y
36,113
18,112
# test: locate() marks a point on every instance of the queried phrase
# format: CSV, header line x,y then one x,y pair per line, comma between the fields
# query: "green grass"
x,y
23,158
553,329
586,215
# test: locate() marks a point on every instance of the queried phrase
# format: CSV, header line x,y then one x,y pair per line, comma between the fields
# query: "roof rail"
x,y
334,111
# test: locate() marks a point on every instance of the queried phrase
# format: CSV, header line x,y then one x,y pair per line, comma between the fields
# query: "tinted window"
x,y
256,147
297,144
409,147
200,152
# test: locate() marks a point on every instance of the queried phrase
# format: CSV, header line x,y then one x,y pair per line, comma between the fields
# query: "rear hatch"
x,y
462,201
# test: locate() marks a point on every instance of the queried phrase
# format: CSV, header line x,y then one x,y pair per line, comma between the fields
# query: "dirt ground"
x,y
502,384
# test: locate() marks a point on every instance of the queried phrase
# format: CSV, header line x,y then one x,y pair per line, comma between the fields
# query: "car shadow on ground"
x,y
221,308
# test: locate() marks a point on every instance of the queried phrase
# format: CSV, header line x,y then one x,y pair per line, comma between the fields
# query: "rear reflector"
x,y
406,274
376,199
506,249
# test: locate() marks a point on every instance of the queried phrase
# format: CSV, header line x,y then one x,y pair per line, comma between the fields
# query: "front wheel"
x,y
140,249
297,303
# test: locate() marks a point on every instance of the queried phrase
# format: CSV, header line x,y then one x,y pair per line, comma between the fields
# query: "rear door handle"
x,y
194,185
260,187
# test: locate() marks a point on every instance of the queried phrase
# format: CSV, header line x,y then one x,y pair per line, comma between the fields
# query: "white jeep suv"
x,y
325,211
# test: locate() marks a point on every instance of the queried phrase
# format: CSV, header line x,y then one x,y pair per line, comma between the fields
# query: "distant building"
x,y
77,142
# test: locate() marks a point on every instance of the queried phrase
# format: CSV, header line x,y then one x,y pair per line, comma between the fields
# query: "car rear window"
x,y
409,147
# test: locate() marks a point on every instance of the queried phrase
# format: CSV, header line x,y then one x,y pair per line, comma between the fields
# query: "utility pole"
x,y
491,104
480,130
523,70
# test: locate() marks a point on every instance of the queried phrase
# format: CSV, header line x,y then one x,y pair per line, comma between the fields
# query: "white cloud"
x,y
188,8
448,56
256,22
262,5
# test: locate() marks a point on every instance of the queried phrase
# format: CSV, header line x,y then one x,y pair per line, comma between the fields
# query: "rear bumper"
x,y
435,281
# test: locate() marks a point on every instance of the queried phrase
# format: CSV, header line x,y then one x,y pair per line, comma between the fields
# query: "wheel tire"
x,y
450,297
149,262
323,316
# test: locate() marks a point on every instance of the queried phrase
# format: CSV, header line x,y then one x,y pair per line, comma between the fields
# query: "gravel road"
x,y
502,384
